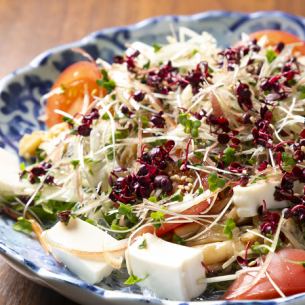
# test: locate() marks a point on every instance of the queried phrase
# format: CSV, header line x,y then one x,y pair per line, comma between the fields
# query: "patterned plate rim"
x,y
36,62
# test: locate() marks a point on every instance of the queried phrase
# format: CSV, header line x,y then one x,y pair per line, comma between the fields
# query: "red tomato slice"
x,y
74,79
274,37
194,210
287,275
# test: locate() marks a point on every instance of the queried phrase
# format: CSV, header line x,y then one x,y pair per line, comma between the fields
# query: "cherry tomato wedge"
x,y
194,210
74,80
284,270
274,37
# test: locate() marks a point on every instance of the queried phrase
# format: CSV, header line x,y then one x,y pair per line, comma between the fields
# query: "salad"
x,y
181,162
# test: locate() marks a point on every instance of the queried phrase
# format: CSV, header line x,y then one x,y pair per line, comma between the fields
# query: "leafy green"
x,y
178,240
91,221
143,244
126,210
194,52
178,197
190,126
106,82
228,155
215,182
54,206
301,89
75,163
121,134
259,249
156,47
147,65
198,154
117,227
200,190
40,155
105,116
183,118
288,161
153,199
158,217
68,120
145,121
23,225
229,227
270,55
133,279
110,153
22,166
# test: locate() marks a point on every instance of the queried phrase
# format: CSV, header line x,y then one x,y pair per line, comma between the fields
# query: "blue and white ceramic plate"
x,y
19,109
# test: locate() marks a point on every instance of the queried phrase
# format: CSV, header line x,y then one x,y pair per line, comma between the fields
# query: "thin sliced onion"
x,y
38,232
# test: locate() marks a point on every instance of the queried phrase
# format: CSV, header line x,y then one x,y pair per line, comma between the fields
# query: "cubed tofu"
x,y
82,236
9,174
248,198
169,270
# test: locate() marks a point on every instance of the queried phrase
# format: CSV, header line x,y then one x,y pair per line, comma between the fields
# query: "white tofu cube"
x,y
247,199
80,235
169,270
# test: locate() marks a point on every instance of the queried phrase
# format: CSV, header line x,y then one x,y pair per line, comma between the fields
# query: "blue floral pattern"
x,y
20,107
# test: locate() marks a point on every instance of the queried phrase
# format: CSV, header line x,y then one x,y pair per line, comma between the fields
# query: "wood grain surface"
x,y
29,27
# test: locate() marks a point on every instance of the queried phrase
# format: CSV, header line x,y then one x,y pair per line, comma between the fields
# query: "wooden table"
x,y
31,26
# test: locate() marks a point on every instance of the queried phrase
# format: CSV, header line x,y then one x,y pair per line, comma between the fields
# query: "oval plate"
x,y
20,92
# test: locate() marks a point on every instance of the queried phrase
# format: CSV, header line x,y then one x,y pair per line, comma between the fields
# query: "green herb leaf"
x,y
23,225
196,124
54,206
106,82
178,197
115,226
200,190
198,154
40,154
229,227
183,118
133,279
68,120
158,217
75,163
22,166
143,244
194,52
270,55
121,134
259,249
288,161
301,89
156,47
194,132
228,155
105,116
215,182
152,199
91,221
126,210
147,65
178,240
145,121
